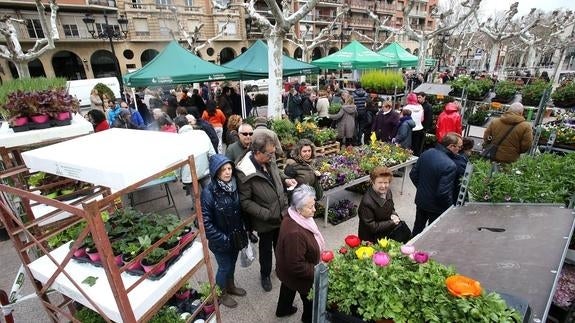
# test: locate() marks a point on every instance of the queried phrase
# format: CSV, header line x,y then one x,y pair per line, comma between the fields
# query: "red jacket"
x,y
102,126
449,121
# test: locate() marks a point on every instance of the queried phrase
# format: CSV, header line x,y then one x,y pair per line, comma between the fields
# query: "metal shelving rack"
x,y
117,295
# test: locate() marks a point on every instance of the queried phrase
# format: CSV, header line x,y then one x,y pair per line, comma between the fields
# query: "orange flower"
x,y
460,286
496,105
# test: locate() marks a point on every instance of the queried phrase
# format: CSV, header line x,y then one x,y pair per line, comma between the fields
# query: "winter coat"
x,y
262,200
427,117
517,142
294,106
217,120
403,137
262,130
225,104
210,131
385,125
304,173
449,121
374,215
297,253
345,121
359,99
235,151
102,126
322,107
434,178
307,105
416,115
221,210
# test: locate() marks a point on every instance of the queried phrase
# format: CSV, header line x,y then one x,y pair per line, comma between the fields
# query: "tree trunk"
x,y
521,59
493,56
502,74
23,71
531,57
558,66
422,54
275,60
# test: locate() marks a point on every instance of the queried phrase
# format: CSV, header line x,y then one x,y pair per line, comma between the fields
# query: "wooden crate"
x,y
326,150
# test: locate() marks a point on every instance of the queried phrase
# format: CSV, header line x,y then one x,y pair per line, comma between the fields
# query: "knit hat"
x,y
261,121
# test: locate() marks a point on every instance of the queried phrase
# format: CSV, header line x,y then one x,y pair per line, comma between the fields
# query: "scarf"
x,y
230,186
308,224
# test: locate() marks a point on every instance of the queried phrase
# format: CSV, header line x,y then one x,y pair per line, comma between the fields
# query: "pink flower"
x,y
381,259
420,257
407,249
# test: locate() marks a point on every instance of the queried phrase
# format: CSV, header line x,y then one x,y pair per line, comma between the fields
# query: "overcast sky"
x,y
489,7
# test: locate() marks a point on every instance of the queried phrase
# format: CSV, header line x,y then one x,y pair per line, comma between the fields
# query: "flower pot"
x,y
62,116
183,295
186,238
119,261
209,309
40,118
94,256
135,266
149,267
80,252
20,121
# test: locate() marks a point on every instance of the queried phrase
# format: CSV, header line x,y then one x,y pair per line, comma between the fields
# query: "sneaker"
x,y
267,283
291,311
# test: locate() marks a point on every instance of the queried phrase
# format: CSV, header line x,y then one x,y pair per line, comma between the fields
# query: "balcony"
x,y
418,13
106,3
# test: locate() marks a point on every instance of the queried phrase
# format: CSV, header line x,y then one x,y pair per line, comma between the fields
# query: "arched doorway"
x,y
297,54
147,56
34,66
333,50
285,51
244,49
103,64
316,54
69,65
226,55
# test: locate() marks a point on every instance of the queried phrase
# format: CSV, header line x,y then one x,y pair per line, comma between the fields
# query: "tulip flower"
x,y
420,257
383,242
343,250
327,256
352,241
407,249
381,259
364,252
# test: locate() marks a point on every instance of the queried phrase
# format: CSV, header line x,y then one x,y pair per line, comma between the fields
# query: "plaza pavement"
x,y
257,306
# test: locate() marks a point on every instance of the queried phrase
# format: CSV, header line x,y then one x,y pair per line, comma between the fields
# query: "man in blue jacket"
x,y
434,177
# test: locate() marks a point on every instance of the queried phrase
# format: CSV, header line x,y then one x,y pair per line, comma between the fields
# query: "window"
x,y
141,26
101,28
34,28
163,3
71,31
188,5
167,26
137,4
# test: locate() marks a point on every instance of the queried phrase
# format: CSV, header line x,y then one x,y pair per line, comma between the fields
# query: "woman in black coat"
x,y
377,216
386,122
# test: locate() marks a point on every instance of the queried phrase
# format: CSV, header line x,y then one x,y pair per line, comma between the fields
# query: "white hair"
x,y
300,195
516,107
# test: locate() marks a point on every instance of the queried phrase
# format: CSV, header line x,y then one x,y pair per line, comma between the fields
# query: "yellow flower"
x,y
383,242
364,252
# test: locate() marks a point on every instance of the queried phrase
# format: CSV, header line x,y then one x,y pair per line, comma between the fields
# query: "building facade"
x,y
151,24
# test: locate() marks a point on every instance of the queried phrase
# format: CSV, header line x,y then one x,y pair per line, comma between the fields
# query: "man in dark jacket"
x,y
262,197
434,177
363,125
240,147
427,119
294,105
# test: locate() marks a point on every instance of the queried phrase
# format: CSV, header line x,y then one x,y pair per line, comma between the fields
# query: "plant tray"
x,y
60,123
23,128
35,126
326,150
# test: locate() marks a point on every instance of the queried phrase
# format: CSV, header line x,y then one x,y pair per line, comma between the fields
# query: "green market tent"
x,y
404,58
253,63
355,56
176,65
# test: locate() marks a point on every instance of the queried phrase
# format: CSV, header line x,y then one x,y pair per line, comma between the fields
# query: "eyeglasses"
x,y
247,133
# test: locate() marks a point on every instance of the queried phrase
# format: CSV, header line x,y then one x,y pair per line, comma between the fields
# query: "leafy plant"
x,y
564,96
167,314
325,135
67,235
505,91
284,128
383,81
206,289
155,255
334,108
86,315
532,92
49,102
478,117
104,89
390,281
27,85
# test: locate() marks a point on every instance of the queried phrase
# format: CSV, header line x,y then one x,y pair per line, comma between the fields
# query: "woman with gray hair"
x,y
298,251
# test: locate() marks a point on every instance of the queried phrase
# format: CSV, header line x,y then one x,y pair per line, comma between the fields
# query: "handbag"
x,y
400,233
490,150
239,239
247,255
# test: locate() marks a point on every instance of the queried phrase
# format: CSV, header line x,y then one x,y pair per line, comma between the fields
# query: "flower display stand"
x,y
328,149
114,294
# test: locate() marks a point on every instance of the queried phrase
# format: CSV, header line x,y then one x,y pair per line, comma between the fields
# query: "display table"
x,y
118,158
142,298
360,180
79,126
516,249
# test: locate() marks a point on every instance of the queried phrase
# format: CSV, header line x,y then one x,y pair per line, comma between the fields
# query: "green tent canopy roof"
x,y
396,52
355,56
253,63
176,65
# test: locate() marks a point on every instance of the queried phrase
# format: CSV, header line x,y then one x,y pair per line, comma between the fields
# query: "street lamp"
x,y
108,31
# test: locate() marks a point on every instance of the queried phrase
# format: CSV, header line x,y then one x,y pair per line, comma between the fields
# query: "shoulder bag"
x,y
490,150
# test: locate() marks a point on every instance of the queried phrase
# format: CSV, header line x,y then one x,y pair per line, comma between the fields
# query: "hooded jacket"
x,y
345,118
262,200
404,131
517,142
416,111
449,121
220,209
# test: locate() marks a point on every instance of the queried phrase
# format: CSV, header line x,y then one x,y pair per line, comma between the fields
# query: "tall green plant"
x,y
104,89
382,81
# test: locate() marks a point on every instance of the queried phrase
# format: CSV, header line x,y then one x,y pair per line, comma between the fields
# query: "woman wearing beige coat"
x,y
345,119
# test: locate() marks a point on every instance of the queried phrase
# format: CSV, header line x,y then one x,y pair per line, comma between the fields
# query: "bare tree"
x,y
275,33
381,25
565,37
193,37
308,45
13,51
444,25
503,28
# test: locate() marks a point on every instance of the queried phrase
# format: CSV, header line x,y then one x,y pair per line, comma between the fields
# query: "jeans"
x,y
226,267
285,302
423,218
266,246
219,133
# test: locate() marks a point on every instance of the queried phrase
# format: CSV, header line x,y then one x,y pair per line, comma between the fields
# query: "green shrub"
x,y
532,92
104,89
505,91
564,96
382,81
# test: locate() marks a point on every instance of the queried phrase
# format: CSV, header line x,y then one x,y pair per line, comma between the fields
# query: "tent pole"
x,y
243,99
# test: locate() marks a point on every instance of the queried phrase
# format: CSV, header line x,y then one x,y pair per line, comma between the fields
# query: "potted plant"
x,y
388,280
504,91
532,93
154,258
205,295
324,136
184,292
129,250
186,236
384,82
91,250
564,96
